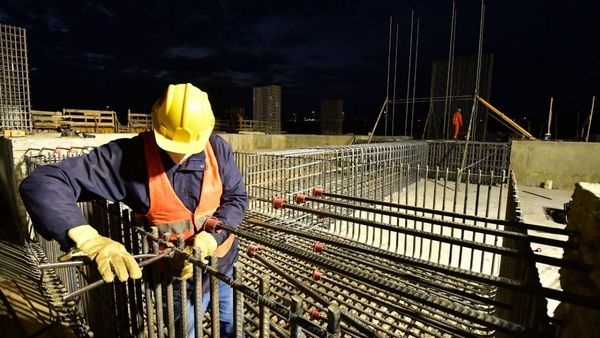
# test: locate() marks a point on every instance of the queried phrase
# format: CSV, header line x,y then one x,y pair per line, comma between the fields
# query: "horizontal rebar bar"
x,y
528,226
408,292
455,225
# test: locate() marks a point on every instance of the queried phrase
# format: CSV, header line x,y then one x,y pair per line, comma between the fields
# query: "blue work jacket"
x,y
117,171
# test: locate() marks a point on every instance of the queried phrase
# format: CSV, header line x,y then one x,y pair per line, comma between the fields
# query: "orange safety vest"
x,y
457,118
167,211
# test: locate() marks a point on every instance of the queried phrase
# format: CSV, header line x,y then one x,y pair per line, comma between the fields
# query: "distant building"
x,y
266,101
332,117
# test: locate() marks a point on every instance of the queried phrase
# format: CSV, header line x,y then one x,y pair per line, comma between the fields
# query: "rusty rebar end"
x,y
318,191
315,314
253,250
300,198
278,202
211,224
317,275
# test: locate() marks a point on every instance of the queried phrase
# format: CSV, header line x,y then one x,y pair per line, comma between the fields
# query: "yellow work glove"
x,y
207,245
109,255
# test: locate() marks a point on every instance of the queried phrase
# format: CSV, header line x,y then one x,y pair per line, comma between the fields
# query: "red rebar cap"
x,y
318,191
278,202
318,247
211,224
317,275
253,250
315,314
58,151
300,198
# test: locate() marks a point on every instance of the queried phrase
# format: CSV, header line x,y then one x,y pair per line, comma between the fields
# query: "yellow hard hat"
x,y
183,120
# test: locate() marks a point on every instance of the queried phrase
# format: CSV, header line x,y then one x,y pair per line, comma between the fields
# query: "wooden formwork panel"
x,y
100,121
46,119
138,122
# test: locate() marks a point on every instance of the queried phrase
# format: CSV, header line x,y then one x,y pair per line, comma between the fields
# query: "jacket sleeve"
x,y
51,192
234,200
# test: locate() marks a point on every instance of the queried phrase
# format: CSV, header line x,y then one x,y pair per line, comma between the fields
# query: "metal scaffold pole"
x,y
587,136
387,89
477,78
412,18
446,123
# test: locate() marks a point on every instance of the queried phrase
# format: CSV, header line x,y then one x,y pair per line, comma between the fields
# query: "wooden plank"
x,y
86,120
137,122
46,120
13,133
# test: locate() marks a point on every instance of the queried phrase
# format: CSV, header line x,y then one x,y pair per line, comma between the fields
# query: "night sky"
x,y
122,54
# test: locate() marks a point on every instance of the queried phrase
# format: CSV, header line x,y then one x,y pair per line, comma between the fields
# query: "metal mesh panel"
x,y
14,79
484,156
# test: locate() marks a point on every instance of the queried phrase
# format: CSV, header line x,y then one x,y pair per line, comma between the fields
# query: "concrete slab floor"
x,y
534,202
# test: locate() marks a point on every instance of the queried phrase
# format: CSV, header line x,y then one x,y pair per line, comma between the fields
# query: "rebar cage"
x,y
15,102
364,240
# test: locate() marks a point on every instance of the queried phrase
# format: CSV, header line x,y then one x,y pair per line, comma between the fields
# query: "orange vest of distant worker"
x,y
457,118
167,211
456,122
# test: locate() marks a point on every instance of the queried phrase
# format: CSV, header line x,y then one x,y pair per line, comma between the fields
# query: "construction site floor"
x,y
537,204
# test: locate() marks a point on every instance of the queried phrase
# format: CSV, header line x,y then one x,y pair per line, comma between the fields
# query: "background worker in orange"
x,y
457,121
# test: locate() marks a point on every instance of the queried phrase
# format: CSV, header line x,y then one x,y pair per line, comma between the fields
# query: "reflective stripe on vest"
x,y
167,211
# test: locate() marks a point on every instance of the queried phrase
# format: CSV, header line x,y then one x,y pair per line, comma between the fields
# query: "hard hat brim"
x,y
182,147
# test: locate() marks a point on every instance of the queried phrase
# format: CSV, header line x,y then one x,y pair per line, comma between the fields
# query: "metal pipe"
x,y
101,281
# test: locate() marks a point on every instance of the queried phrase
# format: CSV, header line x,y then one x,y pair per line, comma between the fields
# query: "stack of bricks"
x,y
584,220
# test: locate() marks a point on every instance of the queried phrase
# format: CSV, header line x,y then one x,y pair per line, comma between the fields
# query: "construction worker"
x,y
457,121
173,177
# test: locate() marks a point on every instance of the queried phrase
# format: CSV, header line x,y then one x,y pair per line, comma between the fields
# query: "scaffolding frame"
x,y
15,102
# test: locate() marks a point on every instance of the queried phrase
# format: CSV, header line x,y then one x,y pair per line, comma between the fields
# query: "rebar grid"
x,y
481,156
417,293
358,170
15,103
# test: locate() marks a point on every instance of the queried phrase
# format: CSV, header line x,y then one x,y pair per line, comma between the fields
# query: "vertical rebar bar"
x,y
296,312
198,293
238,302
148,293
333,321
183,299
170,308
214,299
157,289
265,313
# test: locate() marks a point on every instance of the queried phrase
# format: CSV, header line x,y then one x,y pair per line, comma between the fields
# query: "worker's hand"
x,y
109,255
206,243
207,246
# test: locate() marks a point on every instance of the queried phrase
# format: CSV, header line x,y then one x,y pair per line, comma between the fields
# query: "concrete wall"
x,y
565,163
584,220
244,142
